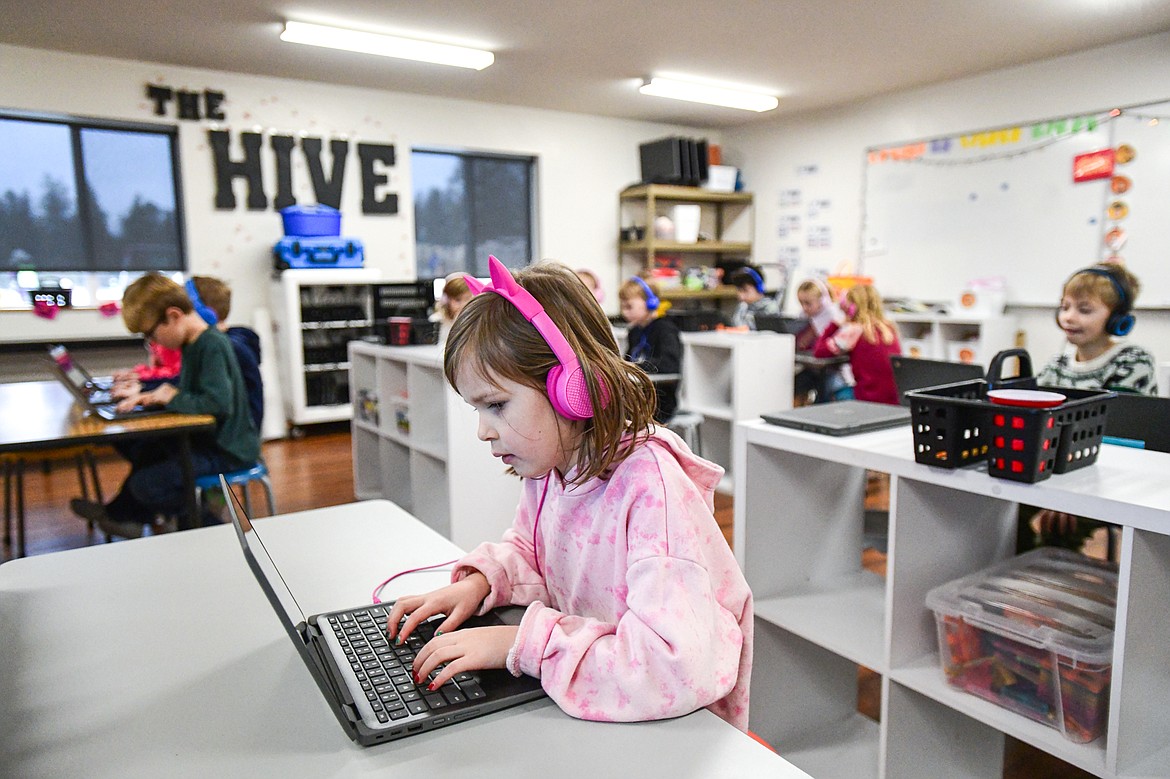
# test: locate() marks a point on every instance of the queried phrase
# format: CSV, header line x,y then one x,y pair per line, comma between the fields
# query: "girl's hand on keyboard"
x,y
463,651
458,601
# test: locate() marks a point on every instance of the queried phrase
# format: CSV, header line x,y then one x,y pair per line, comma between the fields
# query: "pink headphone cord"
x,y
378,589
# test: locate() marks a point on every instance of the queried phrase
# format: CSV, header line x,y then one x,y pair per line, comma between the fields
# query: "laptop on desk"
x,y
367,680
780,324
844,417
88,391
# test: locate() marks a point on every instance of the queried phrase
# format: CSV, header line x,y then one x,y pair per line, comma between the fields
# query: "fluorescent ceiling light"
x,y
386,45
712,95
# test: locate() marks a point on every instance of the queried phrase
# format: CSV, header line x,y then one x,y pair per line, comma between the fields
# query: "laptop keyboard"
x,y
384,670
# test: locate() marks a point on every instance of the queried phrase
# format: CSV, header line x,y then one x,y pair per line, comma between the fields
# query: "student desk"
x,y
41,415
162,657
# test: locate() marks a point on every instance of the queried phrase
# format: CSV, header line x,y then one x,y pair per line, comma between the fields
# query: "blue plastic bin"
x,y
311,221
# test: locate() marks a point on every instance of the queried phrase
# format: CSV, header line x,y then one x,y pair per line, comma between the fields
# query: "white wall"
x,y
584,162
777,156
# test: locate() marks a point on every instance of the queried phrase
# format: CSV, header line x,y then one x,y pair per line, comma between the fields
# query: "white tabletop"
x,y
162,657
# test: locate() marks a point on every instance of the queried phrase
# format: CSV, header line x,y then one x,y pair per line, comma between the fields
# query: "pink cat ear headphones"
x,y
848,307
567,390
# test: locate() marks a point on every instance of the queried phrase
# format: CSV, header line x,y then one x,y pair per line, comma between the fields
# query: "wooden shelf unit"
x,y
727,217
799,515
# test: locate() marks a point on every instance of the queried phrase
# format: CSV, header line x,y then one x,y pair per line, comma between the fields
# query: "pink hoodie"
x,y
637,609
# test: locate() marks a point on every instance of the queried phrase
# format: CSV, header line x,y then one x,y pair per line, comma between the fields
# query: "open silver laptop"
x,y
364,677
844,417
89,391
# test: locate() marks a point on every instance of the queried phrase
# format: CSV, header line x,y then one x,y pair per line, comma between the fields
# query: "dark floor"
x,y
317,470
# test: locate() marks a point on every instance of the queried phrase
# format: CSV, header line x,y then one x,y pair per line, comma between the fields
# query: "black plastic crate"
x,y
956,425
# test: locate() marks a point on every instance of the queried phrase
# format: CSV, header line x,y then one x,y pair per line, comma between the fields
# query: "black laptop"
x,y
844,417
365,678
781,324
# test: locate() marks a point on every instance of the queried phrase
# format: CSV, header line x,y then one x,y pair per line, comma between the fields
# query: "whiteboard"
x,y
1003,203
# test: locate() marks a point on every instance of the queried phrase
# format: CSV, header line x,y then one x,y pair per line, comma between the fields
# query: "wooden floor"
x,y
317,471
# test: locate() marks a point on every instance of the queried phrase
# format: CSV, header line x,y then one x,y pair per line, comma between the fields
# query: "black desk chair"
x,y
1139,418
913,373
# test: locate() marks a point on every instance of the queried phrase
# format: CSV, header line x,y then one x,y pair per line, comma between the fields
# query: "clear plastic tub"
x,y
1033,634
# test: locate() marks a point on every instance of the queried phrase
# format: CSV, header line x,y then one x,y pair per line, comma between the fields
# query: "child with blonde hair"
x,y
869,339
1095,311
635,606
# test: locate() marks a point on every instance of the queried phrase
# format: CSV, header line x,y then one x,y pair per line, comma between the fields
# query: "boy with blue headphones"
x,y
653,342
1096,308
749,288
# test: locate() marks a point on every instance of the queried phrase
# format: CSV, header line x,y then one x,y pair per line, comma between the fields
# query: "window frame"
x,y
75,125
531,163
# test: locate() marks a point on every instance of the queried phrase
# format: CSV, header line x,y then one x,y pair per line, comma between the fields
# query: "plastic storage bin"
x,y
955,424
1033,634
311,221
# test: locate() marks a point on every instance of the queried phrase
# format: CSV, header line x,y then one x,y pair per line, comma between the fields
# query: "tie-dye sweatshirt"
x,y
637,609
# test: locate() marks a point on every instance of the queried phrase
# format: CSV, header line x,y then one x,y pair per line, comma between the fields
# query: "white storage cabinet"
x,y
315,313
731,376
970,339
799,501
414,443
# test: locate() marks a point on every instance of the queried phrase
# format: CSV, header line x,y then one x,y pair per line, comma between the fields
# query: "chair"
x,y
258,472
913,373
687,425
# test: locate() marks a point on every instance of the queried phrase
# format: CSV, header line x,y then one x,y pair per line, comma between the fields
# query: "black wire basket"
x,y
956,425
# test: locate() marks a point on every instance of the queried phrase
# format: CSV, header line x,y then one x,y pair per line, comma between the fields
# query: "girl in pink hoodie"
x,y
636,608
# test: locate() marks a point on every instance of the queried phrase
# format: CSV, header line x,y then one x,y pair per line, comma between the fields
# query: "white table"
x,y
161,657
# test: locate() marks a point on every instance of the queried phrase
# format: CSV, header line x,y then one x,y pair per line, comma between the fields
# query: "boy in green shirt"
x,y
210,383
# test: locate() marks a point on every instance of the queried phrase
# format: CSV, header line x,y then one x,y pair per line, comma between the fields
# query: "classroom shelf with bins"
x,y
725,229
970,339
414,443
799,506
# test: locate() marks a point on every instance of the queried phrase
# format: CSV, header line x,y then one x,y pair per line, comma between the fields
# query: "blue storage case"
x,y
311,221
330,252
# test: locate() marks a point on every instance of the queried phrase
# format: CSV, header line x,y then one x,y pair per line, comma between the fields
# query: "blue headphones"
x,y
1120,321
209,316
759,282
652,301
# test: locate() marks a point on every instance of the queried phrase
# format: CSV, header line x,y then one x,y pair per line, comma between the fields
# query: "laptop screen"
x,y
71,370
262,564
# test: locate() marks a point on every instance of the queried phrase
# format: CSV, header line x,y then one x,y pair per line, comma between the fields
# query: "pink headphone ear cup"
x,y
568,393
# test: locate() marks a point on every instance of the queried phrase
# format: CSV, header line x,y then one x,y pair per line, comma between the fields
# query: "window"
x,y
469,205
83,196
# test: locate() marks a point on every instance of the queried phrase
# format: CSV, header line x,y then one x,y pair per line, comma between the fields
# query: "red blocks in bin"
x,y
1033,634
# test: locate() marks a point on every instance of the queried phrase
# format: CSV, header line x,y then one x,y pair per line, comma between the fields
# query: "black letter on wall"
x,y
327,190
159,96
227,169
211,103
282,146
189,105
369,153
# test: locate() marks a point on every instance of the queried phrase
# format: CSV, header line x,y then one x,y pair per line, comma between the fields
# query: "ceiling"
x,y
588,57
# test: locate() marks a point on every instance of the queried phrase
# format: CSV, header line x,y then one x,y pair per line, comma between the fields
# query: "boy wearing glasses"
x,y
210,383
